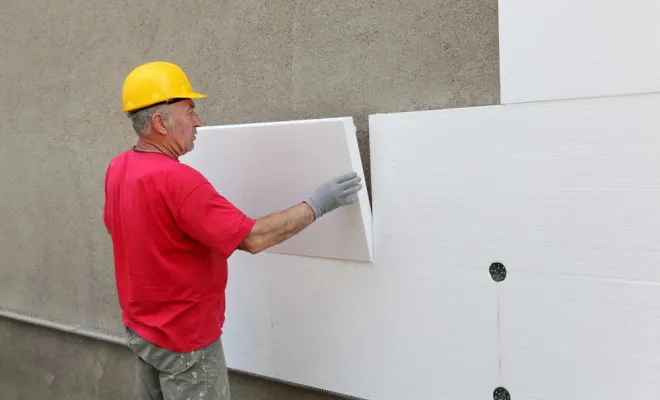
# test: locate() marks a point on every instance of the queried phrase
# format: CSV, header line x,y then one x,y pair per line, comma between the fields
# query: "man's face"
x,y
185,123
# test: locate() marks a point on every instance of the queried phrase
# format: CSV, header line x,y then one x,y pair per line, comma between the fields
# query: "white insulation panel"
x,y
386,330
418,323
267,167
566,195
564,49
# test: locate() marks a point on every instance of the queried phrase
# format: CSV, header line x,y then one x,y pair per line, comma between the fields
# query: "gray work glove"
x,y
338,191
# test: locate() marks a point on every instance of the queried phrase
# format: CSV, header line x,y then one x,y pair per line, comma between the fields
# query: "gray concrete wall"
x,y
39,364
63,63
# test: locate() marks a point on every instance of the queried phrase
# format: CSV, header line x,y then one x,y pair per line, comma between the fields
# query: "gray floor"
x,y
40,363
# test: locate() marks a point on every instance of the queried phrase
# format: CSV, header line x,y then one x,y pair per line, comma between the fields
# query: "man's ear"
x,y
159,123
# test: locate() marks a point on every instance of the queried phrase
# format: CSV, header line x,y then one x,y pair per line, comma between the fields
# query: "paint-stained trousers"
x,y
165,375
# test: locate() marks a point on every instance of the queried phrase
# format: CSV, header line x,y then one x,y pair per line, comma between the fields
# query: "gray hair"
x,y
142,118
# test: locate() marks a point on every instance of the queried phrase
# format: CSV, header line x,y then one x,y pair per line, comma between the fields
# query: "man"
x,y
172,234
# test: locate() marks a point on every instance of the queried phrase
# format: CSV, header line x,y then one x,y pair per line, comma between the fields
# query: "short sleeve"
x,y
211,219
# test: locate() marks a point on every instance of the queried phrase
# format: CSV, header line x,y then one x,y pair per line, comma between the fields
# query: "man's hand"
x,y
338,191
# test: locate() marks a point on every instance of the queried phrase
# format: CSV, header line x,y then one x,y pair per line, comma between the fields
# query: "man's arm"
x,y
275,228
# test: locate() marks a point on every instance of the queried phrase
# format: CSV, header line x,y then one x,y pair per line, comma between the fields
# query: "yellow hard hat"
x,y
156,82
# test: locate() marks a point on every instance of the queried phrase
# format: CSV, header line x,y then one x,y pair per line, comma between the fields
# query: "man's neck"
x,y
150,147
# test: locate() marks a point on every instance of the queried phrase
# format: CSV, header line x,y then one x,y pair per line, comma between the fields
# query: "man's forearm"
x,y
275,228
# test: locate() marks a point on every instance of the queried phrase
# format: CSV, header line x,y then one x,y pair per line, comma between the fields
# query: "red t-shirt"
x,y
172,234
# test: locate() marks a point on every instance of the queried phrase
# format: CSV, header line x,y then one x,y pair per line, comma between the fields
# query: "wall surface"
x,y
47,364
61,75
569,49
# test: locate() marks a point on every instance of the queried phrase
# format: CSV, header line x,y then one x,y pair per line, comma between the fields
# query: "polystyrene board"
x,y
574,338
566,49
382,331
533,186
418,323
267,167
565,195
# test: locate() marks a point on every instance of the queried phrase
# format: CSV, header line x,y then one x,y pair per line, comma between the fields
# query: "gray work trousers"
x,y
165,375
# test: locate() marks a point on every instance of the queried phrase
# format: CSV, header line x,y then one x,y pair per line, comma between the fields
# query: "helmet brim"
x,y
136,107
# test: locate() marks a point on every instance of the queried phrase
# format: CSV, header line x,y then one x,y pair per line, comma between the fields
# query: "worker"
x,y
172,234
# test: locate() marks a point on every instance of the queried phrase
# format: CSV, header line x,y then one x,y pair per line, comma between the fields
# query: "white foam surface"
x,y
267,167
567,337
376,331
564,49
565,194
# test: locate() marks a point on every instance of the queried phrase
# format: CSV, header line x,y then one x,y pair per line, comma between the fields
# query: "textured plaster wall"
x,y
61,73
